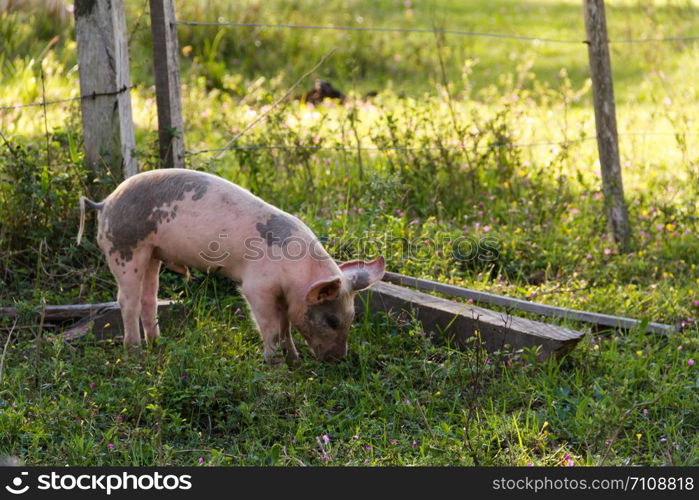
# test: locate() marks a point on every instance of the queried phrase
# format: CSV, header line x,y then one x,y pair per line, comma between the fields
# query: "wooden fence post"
x,y
166,64
605,122
103,62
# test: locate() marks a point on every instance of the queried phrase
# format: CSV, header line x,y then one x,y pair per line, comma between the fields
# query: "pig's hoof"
x,y
133,349
275,360
152,342
292,359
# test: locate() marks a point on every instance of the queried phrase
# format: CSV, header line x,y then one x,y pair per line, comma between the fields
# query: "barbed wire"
x,y
253,147
381,29
278,101
385,148
526,38
93,95
689,38
37,104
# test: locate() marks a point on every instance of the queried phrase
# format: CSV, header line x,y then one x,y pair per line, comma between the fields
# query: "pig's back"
x,y
185,214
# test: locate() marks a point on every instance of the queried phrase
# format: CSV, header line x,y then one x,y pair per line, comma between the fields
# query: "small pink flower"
x,y
645,411
570,463
486,229
325,458
326,438
690,362
588,256
529,464
92,385
415,444
201,460
393,441
368,447
696,303
355,437
110,446
607,251
293,440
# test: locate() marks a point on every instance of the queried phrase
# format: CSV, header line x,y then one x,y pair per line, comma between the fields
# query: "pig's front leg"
x,y
270,316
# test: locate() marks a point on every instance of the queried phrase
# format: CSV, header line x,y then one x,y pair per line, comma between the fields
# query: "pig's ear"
x,y
323,291
363,274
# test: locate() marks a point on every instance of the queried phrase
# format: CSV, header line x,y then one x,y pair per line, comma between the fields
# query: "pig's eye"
x,y
332,321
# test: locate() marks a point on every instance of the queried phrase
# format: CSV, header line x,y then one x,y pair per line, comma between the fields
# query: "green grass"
x,y
530,218
204,397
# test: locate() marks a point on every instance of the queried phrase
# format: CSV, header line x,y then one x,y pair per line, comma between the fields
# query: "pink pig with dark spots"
x,y
184,218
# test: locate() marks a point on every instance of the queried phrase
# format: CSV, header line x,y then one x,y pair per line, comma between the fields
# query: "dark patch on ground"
x,y
322,90
277,229
138,210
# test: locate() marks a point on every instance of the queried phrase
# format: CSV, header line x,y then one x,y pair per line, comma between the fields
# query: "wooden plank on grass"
x,y
107,323
103,319
461,321
72,311
525,305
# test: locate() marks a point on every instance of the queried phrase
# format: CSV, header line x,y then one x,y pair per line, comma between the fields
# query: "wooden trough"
x,y
460,321
438,316
600,320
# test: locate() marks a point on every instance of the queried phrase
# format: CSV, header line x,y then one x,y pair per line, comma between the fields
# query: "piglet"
x,y
189,219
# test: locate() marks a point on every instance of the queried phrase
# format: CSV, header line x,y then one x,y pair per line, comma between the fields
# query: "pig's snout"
x,y
337,353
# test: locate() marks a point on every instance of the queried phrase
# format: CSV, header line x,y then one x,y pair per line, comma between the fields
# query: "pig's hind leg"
x,y
149,300
130,276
